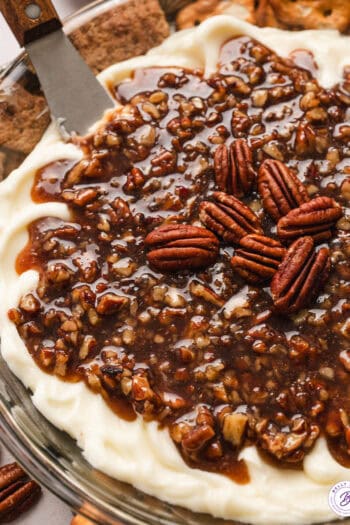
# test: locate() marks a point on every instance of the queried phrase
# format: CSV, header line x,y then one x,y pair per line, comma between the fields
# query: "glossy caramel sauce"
x,y
173,354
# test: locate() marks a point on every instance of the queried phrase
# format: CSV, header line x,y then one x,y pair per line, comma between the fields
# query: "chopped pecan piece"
x,y
289,446
234,427
141,389
110,303
229,217
197,438
280,189
17,492
181,247
58,274
85,196
315,218
234,170
29,303
309,140
300,276
258,258
344,358
206,293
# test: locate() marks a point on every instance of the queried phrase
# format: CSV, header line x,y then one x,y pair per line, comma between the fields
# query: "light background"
x,y
49,509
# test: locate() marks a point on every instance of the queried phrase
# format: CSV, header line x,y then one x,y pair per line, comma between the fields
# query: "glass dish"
x,y
51,456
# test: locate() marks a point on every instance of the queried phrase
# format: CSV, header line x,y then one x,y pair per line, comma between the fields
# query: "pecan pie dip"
x,y
175,286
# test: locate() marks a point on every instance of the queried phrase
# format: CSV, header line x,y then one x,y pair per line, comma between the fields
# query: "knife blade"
x,y
74,95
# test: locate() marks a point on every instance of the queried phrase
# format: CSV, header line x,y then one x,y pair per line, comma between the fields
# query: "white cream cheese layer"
x,y
138,452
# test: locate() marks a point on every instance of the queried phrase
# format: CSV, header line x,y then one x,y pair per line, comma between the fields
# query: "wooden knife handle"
x,y
30,19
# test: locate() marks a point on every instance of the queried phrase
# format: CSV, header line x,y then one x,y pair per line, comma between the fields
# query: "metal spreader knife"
x,y
74,95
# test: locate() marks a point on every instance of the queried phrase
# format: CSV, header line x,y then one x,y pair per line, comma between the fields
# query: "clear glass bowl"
x,y
51,456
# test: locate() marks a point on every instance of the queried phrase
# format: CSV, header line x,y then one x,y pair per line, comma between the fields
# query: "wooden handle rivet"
x,y
33,11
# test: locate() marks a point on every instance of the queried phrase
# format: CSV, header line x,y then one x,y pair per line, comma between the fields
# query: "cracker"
x,y
285,14
23,119
264,15
200,10
126,30
244,9
9,160
312,14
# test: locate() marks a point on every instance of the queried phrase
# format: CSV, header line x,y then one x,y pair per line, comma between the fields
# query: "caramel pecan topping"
x,y
17,492
280,189
181,247
234,170
315,218
229,218
258,258
178,342
300,276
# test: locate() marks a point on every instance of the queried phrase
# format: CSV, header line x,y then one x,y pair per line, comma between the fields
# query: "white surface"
x,y
138,452
9,48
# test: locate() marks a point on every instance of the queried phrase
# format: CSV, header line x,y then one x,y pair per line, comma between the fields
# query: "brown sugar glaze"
x,y
172,347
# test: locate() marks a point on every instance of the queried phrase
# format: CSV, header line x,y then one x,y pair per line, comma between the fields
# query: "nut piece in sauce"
x,y
110,303
198,438
234,427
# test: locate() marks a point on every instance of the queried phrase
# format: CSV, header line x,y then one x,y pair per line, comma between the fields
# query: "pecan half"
x,y
17,492
280,189
181,247
229,217
234,170
300,276
315,218
258,258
